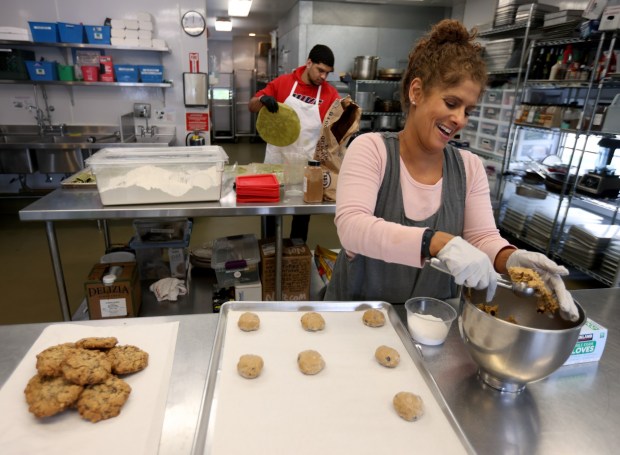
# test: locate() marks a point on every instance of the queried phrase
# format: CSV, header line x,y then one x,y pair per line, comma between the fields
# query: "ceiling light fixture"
x,y
251,34
223,24
239,8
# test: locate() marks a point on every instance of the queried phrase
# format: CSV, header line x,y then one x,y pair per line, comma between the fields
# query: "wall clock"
x,y
193,23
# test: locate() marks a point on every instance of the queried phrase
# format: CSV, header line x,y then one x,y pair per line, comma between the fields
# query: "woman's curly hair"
x,y
444,57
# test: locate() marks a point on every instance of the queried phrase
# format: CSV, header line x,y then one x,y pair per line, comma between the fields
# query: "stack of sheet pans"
x,y
497,53
611,259
562,17
506,11
539,12
586,243
518,211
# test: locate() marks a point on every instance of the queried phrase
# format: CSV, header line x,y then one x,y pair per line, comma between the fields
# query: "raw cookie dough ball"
x,y
248,322
373,318
387,356
250,366
408,405
310,362
312,322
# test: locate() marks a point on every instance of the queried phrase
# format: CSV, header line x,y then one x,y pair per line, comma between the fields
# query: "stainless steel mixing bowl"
x,y
511,355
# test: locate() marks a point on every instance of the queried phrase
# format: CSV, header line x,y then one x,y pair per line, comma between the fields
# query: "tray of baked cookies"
x,y
320,377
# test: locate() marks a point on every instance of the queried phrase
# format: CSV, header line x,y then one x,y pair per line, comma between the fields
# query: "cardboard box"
x,y
296,263
590,345
249,292
117,300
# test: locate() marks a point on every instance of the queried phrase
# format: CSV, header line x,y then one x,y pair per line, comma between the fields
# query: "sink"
x,y
91,138
160,139
26,139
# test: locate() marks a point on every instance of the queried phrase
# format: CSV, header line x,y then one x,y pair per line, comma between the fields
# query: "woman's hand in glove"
x,y
551,274
469,266
270,103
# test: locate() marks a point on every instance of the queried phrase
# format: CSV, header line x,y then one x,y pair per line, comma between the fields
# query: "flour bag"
x,y
342,120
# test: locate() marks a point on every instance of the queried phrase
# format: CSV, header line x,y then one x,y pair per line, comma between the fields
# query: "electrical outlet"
x,y
142,110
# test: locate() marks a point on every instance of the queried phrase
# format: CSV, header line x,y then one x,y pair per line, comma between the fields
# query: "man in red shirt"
x,y
306,91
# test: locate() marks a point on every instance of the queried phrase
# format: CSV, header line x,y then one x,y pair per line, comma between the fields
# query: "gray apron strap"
x,y
364,278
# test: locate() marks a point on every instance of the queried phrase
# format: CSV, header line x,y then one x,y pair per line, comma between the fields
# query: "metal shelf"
x,y
100,84
83,46
504,30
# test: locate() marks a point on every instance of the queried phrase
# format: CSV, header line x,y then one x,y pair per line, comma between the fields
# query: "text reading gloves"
x,y
550,272
469,266
270,103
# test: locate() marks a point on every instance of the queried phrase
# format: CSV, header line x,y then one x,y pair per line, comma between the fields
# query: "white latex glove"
x,y
469,266
168,289
550,272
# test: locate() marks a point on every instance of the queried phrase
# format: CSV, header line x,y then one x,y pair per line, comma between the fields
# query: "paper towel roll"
x,y
131,24
132,42
117,33
145,34
117,41
118,24
145,43
131,34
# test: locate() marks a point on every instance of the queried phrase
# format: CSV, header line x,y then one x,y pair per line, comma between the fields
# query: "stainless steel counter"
x,y
575,410
85,204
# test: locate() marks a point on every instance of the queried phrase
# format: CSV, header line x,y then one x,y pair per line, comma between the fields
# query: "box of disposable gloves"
x,y
590,344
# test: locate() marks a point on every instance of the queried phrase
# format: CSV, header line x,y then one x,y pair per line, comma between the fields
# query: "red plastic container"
x,y
257,188
90,73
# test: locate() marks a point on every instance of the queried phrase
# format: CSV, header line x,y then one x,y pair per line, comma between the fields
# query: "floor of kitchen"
x,y
27,287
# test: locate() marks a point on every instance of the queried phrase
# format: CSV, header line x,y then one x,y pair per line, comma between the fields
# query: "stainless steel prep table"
x,y
576,410
85,204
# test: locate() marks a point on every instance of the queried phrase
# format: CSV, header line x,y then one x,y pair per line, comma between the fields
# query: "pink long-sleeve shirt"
x,y
360,232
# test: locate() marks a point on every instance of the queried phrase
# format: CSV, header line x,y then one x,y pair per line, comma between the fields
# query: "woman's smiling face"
x,y
442,112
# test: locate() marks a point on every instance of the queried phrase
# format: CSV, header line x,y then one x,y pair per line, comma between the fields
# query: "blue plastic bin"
x,y
152,73
126,73
44,32
71,33
97,34
42,71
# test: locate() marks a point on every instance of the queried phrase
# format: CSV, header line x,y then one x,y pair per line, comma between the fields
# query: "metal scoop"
x,y
519,288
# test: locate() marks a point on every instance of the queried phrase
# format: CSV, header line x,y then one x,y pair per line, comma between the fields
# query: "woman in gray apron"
x,y
403,198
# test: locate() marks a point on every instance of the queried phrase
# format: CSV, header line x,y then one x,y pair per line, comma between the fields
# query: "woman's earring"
x,y
412,101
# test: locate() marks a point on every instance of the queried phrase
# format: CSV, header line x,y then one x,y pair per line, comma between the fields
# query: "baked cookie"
x,y
47,396
84,366
248,322
387,356
408,405
127,359
373,318
103,401
250,366
97,343
50,359
310,362
312,322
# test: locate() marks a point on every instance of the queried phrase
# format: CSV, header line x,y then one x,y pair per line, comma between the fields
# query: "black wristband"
x,y
426,243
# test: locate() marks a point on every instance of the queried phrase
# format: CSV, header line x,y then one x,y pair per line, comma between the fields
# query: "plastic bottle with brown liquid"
x,y
313,182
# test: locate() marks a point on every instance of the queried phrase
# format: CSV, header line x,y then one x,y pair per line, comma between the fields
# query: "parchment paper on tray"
x,y
344,409
137,430
279,129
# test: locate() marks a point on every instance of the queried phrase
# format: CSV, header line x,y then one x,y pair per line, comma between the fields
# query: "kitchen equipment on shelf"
x,y
602,181
554,182
195,139
382,105
390,74
366,100
386,123
365,67
512,354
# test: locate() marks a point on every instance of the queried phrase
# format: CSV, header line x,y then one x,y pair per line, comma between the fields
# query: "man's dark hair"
x,y
322,54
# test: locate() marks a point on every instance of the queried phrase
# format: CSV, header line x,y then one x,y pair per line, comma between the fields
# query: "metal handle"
x,y
437,264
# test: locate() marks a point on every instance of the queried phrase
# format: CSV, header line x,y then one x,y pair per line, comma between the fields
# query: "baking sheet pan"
x,y
346,408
